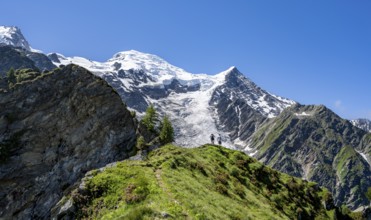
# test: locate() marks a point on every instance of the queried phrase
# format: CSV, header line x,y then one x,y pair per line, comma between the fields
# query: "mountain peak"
x,y
12,35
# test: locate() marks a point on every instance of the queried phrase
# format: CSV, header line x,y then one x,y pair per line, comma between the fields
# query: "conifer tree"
x,y
167,131
11,76
141,143
368,195
150,118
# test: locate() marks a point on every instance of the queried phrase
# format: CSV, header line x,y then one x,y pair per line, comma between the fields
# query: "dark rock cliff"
x,y
53,129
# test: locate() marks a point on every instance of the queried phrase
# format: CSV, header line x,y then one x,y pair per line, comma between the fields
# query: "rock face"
x,y
17,58
54,129
314,143
12,58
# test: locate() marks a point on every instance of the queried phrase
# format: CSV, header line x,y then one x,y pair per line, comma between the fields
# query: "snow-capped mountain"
x,y
13,36
198,104
363,124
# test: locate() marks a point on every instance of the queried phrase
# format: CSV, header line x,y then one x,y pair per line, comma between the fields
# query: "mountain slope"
x,y
208,182
191,100
314,143
53,129
363,124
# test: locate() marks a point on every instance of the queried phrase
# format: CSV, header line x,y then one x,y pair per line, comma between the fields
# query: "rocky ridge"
x,y
53,129
314,143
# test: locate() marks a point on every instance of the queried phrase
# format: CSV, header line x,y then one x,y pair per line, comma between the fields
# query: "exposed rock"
x,y
10,57
17,58
42,62
366,214
56,128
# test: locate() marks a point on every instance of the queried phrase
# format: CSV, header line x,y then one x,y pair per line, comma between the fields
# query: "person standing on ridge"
x,y
219,140
212,138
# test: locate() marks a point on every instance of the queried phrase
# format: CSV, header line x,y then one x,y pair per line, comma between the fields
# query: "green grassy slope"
x,y
209,182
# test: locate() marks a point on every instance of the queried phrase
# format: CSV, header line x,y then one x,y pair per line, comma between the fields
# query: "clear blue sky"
x,y
314,51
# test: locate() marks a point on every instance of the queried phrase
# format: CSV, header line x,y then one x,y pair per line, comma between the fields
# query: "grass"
x,y
209,182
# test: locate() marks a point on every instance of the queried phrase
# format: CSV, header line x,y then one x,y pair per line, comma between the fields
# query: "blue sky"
x,y
314,52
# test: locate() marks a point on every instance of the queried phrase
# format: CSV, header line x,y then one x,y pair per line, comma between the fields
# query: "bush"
x,y
141,143
221,178
240,191
139,213
222,189
134,194
133,113
235,172
278,200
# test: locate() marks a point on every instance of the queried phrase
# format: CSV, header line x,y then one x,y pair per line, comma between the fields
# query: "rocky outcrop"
x,y
53,129
13,58
18,58
314,143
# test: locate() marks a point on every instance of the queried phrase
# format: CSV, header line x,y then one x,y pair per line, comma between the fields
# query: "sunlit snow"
x,y
364,157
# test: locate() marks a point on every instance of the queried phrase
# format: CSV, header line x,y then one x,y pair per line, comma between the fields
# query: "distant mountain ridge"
x,y
314,143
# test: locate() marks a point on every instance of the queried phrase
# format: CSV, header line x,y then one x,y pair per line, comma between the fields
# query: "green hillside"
x,y
209,182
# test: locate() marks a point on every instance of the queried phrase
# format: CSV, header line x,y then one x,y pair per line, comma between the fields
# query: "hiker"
x,y
219,140
212,138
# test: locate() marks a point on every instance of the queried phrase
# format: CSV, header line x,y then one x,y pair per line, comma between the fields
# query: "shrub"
x,y
133,113
278,200
141,143
235,172
239,190
221,178
134,194
222,189
139,213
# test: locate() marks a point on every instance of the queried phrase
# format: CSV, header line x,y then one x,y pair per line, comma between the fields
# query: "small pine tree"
x,y
167,131
12,79
141,143
368,195
150,118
